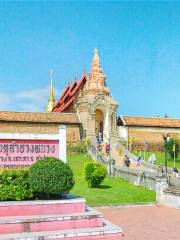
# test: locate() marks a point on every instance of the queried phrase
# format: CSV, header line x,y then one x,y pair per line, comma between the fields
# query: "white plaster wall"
x,y
106,126
123,132
169,200
157,129
29,136
62,143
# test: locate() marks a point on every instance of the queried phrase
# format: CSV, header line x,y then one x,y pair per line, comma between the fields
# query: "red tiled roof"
x,y
149,121
68,95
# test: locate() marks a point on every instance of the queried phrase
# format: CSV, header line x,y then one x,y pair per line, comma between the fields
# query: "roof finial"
x,y
84,73
51,100
96,62
51,72
95,51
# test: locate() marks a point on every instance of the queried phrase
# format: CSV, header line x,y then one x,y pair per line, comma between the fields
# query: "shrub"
x,y
81,148
14,184
86,144
75,149
95,174
50,176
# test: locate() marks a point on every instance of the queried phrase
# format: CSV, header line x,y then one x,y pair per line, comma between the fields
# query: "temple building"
x,y
147,131
91,100
86,107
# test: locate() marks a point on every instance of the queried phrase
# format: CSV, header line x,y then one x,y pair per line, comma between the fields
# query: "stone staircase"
x,y
68,219
173,190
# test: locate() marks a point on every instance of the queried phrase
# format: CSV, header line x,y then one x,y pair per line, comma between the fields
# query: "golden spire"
x,y
51,100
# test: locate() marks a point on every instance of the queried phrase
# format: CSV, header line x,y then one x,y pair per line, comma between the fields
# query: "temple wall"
x,y
22,127
154,136
73,133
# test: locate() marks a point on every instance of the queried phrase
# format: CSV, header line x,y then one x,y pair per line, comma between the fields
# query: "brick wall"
x,y
154,137
48,128
73,135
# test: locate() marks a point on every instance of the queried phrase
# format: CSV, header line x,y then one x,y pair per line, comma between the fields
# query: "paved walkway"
x,y
145,222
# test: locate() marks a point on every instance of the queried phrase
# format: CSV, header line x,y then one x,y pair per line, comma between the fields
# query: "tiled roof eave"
x,y
56,118
44,122
141,121
156,126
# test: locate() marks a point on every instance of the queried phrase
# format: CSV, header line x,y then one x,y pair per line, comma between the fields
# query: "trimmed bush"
x,y
95,174
14,185
50,176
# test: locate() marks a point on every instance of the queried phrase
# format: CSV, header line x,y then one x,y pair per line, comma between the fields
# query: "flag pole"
x,y
144,155
174,150
174,155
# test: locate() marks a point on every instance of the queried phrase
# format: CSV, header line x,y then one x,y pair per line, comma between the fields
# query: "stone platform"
x,y
68,219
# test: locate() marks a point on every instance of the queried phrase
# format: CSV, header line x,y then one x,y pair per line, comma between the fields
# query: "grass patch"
x,y
111,191
160,159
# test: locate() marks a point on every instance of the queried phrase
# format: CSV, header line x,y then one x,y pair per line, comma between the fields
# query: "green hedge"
x,y
50,176
44,179
94,174
14,185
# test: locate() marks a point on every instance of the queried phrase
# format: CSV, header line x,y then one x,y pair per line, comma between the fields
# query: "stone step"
x,y
42,207
89,219
173,190
107,232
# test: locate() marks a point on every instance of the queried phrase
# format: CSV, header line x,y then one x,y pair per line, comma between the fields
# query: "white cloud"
x,y
33,100
35,95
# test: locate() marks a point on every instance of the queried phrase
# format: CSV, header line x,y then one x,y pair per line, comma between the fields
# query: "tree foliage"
x,y
172,147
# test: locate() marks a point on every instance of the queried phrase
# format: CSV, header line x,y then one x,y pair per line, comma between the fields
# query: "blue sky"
x,y
138,43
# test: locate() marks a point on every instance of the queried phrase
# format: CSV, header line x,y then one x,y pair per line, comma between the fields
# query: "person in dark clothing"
x,y
127,162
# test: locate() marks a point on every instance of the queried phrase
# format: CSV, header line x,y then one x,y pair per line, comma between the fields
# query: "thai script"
x,y
20,148
26,152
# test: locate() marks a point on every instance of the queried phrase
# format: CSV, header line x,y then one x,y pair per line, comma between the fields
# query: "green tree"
x,y
166,115
171,146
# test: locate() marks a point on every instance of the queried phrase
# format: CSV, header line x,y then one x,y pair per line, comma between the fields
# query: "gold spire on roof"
x,y
51,100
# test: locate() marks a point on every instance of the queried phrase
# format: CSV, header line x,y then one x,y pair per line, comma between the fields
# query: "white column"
x,y
106,126
62,143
